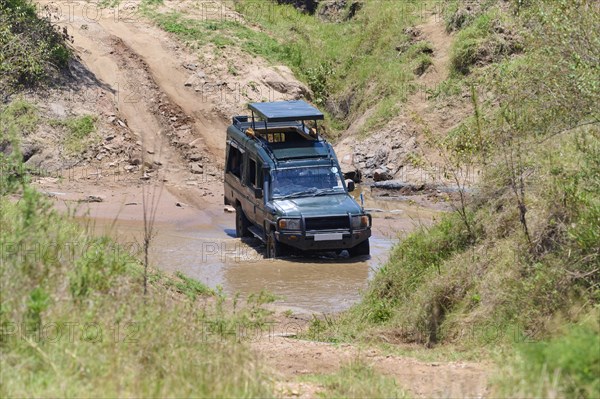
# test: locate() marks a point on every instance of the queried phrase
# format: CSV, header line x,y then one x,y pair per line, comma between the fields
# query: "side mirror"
x,y
258,192
350,185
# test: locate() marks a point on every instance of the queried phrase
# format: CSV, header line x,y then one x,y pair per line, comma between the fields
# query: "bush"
x,y
565,366
31,47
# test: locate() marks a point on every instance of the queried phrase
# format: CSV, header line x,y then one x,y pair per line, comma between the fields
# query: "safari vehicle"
x,y
286,185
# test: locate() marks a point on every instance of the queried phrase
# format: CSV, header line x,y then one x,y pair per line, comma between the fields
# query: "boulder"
x,y
381,174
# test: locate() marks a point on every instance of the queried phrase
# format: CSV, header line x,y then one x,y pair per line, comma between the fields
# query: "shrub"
x,y
31,47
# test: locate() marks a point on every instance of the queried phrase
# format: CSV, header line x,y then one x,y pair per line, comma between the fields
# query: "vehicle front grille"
x,y
327,223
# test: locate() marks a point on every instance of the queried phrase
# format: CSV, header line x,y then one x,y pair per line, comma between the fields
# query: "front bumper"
x,y
323,240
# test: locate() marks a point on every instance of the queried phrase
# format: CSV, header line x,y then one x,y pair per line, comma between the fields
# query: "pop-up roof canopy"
x,y
286,111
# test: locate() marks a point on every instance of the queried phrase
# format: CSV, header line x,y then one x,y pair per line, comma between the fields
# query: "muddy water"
x,y
202,245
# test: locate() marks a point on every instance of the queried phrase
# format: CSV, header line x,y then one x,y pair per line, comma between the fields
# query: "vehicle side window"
x,y
254,174
251,174
260,180
234,161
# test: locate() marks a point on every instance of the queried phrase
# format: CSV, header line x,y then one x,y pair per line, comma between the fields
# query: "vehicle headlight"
x,y
289,224
360,221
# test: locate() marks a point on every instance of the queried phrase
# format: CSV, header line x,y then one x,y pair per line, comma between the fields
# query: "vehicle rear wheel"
x,y
361,249
241,223
275,249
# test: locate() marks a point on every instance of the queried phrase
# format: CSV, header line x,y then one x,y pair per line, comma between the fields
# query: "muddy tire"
x,y
241,223
275,249
362,249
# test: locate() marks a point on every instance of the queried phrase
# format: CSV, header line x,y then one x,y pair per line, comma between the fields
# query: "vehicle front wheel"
x,y
275,249
241,223
362,249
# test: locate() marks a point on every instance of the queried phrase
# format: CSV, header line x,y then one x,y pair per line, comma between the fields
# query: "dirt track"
x,y
176,124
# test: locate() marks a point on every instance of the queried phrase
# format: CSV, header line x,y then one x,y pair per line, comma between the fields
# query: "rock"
x,y
338,10
150,152
190,81
135,161
190,66
281,79
58,109
196,168
27,151
92,198
381,174
195,143
229,209
121,123
354,175
195,157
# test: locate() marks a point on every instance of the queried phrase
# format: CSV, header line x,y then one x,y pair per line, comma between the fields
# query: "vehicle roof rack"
x,y
285,111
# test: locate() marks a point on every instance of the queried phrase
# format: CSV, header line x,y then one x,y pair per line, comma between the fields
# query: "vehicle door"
x,y
254,206
233,172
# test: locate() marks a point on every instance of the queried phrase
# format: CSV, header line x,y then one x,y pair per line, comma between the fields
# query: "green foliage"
x,y
31,48
97,268
37,303
75,321
412,259
190,287
79,130
334,59
18,118
567,365
479,278
468,42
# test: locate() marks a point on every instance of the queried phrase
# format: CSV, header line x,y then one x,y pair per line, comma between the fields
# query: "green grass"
x,y
484,38
76,322
333,59
190,287
79,132
357,380
502,284
567,365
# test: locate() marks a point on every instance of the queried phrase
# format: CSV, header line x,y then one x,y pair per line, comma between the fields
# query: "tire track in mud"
x,y
174,148
173,124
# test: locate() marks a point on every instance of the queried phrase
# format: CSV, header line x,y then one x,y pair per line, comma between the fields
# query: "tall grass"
x,y
505,284
75,321
567,365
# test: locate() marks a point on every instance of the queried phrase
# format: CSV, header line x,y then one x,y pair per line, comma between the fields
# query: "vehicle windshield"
x,y
297,182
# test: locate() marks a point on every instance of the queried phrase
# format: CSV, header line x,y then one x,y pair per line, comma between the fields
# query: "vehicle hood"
x,y
320,205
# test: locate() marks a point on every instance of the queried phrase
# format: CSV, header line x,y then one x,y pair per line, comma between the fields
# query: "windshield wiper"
x,y
322,191
298,193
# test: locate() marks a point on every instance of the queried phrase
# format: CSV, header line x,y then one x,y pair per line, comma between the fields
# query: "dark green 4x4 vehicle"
x,y
286,185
